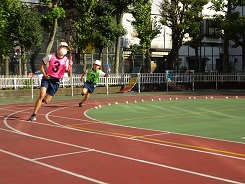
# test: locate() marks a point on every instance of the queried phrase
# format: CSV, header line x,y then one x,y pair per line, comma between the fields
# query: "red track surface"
x,y
65,147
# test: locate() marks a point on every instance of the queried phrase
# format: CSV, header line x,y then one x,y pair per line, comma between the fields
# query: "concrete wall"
x,y
61,91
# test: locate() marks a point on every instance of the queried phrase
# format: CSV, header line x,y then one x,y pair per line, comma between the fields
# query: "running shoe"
x,y
80,104
33,117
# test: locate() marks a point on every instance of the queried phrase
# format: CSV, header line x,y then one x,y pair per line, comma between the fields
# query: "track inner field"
x,y
76,148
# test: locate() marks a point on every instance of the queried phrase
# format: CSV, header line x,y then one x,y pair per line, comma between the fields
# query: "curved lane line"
x,y
52,167
107,153
43,164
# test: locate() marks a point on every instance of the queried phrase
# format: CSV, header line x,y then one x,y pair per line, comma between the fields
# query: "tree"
x,y
50,21
238,36
83,26
232,25
178,15
27,31
146,28
120,7
105,30
21,28
196,35
8,8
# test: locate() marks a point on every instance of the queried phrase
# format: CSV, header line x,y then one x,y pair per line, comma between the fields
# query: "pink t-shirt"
x,y
56,66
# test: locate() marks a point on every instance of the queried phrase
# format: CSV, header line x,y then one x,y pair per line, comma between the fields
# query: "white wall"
x,y
164,41
30,1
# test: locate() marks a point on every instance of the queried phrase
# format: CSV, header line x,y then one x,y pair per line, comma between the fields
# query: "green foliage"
x,y
182,16
27,31
100,23
231,22
105,31
57,13
222,6
20,26
232,25
83,22
8,10
179,15
145,25
121,7
46,1
54,13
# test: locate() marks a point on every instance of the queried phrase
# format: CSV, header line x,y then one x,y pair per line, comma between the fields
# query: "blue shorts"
x,y
51,85
89,86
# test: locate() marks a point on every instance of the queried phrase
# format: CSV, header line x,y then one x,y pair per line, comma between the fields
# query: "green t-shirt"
x,y
93,76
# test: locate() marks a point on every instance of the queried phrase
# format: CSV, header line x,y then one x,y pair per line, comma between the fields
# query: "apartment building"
x,y
29,2
210,51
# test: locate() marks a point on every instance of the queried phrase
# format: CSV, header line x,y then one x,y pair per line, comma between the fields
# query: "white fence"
x,y
15,82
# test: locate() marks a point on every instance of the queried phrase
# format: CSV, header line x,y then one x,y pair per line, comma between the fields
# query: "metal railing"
x,y
25,82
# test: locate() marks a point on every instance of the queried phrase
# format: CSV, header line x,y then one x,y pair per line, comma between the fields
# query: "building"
x,y
210,51
211,47
30,2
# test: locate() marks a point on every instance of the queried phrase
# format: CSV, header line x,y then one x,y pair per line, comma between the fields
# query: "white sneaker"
x,y
33,117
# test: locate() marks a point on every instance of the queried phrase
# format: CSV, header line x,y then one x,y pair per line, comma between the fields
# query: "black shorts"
x,y
89,86
51,85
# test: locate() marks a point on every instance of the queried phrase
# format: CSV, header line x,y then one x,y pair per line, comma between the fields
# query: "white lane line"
x,y
135,138
174,133
53,167
114,155
65,154
97,121
172,168
125,157
7,130
130,138
121,137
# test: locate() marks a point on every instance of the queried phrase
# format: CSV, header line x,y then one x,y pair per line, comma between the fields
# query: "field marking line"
x,y
155,140
171,115
164,143
65,154
107,153
52,167
170,144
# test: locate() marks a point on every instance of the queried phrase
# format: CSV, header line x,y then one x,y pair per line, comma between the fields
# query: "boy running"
x,y
58,64
92,78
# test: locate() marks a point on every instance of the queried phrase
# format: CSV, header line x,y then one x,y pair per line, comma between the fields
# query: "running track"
x,y
64,146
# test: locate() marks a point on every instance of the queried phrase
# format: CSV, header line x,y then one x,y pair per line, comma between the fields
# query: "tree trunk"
x,y
84,62
148,61
173,54
243,58
101,57
51,37
226,43
143,67
118,45
226,54
20,67
197,60
7,59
